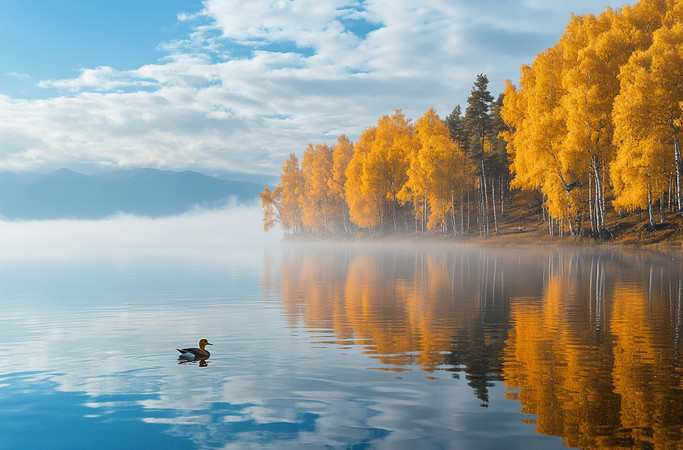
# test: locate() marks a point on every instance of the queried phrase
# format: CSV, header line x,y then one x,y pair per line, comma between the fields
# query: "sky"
x,y
230,86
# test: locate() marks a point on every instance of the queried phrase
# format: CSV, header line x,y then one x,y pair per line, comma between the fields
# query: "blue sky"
x,y
230,85
42,40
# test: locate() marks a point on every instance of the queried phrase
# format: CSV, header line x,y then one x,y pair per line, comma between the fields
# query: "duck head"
x,y
203,343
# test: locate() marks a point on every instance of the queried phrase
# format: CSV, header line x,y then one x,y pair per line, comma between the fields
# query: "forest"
x,y
593,125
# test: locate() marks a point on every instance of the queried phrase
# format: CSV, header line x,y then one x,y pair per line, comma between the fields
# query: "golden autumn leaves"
x,y
361,185
599,115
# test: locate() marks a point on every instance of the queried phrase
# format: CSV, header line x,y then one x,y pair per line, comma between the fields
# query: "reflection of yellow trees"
x,y
600,377
313,289
432,319
556,364
644,373
589,344
406,318
401,309
384,323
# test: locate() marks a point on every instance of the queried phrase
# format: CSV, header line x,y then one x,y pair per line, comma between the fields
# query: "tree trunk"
x,y
599,197
424,213
462,212
561,225
502,197
468,211
393,213
671,190
602,201
579,221
480,209
379,212
484,208
598,201
570,225
417,221
678,163
650,208
591,212
493,202
485,199
455,232
661,208
569,220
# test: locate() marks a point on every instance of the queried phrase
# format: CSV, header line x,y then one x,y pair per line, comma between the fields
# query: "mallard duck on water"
x,y
193,353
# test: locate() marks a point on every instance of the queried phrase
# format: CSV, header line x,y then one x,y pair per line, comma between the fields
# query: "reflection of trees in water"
x,y
587,341
432,308
595,358
477,348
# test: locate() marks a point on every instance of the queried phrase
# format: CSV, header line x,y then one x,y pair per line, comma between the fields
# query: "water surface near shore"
x,y
389,346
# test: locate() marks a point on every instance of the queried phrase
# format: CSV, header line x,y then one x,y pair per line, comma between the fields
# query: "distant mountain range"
x,y
144,192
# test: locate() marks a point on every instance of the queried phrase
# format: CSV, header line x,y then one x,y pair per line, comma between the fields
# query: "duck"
x,y
193,353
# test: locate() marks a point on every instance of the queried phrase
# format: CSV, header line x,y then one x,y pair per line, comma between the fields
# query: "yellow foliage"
x,y
378,169
292,185
316,200
647,115
436,171
363,198
591,94
538,130
341,156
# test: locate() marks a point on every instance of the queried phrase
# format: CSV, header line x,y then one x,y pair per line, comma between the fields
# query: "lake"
x,y
342,346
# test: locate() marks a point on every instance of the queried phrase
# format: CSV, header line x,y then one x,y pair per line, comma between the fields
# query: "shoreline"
x,y
664,236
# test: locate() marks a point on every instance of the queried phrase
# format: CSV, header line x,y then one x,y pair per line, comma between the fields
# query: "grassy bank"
x,y
523,224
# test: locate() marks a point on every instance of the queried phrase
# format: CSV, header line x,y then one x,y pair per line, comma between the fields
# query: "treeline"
x,y
400,176
597,117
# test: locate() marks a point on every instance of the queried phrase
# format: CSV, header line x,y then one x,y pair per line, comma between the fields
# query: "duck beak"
x,y
209,343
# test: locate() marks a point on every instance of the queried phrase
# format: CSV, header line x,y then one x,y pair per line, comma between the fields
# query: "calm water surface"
x,y
344,346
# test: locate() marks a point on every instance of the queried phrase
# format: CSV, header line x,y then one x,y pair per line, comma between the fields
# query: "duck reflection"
x,y
588,342
200,362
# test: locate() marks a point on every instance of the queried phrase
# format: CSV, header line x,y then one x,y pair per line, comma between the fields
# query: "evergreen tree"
x,y
478,127
456,128
477,118
498,160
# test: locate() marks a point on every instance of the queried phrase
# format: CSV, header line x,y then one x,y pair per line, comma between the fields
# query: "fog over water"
x,y
200,232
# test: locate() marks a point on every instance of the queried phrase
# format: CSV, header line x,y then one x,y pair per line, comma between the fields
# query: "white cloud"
x,y
259,79
102,78
19,76
299,21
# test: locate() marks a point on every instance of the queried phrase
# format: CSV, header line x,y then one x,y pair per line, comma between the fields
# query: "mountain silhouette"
x,y
145,192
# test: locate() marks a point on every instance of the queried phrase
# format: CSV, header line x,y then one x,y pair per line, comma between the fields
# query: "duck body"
x,y
193,353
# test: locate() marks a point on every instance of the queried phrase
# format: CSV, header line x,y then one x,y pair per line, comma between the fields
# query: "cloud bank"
x,y
257,80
